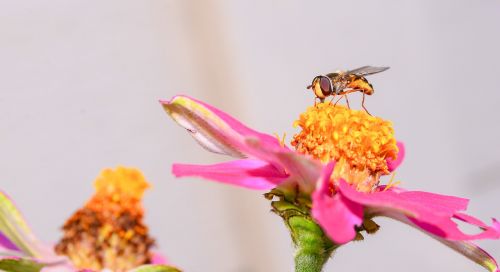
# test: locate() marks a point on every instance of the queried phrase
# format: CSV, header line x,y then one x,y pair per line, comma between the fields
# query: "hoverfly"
x,y
345,82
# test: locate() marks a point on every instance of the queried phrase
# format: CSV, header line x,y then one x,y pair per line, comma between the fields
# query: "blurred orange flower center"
x,y
108,232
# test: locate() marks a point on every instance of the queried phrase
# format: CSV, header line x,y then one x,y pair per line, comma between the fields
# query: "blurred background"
x,y
80,83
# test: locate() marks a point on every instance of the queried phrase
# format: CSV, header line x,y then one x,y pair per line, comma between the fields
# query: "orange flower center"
x,y
358,142
108,232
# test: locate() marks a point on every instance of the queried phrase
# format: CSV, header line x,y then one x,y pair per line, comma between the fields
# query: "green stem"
x,y
313,248
309,263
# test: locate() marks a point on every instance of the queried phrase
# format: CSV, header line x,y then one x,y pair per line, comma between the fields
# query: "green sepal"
x,y
155,268
370,226
20,265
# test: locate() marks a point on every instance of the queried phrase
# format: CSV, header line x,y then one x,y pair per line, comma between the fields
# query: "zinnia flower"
x,y
331,178
107,233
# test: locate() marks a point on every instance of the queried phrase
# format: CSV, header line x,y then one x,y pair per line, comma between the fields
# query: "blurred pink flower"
x,y
114,214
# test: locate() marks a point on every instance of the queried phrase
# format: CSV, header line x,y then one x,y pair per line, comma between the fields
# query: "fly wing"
x,y
366,70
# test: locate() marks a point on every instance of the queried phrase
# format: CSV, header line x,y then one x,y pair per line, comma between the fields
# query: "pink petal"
x,y
337,215
158,259
431,212
393,164
496,224
474,221
266,139
410,202
302,169
7,244
212,128
252,174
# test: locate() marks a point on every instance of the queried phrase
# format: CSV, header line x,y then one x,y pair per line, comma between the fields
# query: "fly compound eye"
x,y
325,85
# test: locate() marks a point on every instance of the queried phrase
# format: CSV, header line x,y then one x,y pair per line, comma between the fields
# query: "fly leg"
x,y
363,104
347,100
341,96
333,97
344,94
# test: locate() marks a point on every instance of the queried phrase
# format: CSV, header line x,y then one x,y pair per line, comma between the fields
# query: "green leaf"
x,y
155,268
20,265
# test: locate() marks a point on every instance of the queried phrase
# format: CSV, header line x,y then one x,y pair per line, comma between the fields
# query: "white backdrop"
x,y
80,81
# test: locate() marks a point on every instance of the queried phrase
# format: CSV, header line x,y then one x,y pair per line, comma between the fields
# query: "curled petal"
x,y
15,233
337,215
252,174
393,164
214,129
473,253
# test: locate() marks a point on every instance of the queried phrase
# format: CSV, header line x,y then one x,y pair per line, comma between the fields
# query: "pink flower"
x,y
341,183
